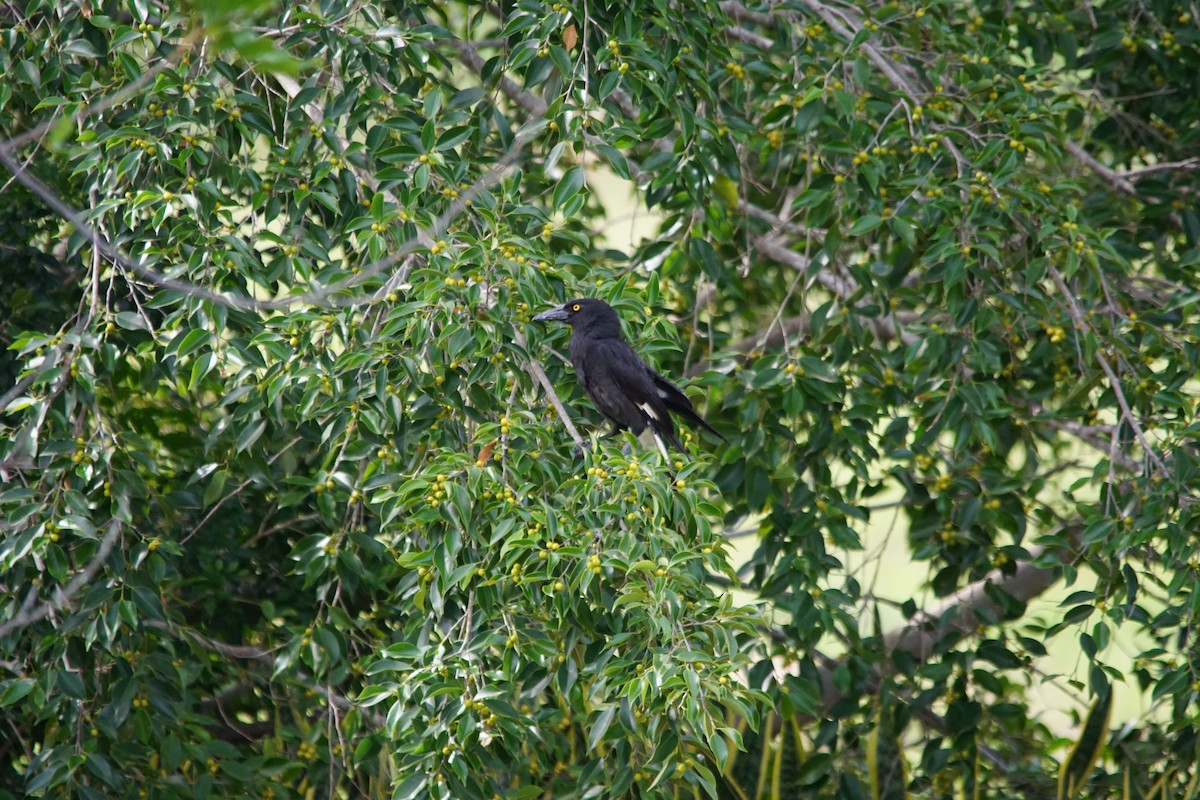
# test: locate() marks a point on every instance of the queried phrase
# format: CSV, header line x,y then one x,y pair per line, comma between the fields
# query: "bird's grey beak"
x,y
553,315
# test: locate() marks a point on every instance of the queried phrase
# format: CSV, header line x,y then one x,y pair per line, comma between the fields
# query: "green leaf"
x,y
216,487
865,224
148,603
131,320
192,341
409,788
1079,762
14,690
600,726
570,184
250,434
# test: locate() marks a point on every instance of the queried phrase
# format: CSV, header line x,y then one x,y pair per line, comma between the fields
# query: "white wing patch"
x,y
649,409
662,447
645,436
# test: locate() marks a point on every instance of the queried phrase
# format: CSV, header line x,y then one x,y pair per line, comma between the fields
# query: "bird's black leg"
x,y
616,430
579,450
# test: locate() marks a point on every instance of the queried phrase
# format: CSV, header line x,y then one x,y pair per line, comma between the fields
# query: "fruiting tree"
x,y
290,499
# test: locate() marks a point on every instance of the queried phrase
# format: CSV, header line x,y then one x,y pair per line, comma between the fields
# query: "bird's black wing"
x,y
622,387
638,382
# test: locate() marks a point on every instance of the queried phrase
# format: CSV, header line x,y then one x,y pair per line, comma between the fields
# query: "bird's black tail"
x,y
664,434
678,402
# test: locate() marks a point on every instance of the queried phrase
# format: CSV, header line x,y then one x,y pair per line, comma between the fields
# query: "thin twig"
x,y
263,658
236,491
63,596
1167,166
116,98
1108,174
539,374
1076,314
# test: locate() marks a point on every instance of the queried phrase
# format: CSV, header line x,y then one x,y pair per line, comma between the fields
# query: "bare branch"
x,y
739,12
1110,176
749,37
963,610
1091,435
1167,166
265,659
64,595
116,98
1114,382
319,297
539,374
780,224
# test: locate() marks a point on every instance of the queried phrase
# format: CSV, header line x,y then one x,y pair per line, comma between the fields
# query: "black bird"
x,y
626,391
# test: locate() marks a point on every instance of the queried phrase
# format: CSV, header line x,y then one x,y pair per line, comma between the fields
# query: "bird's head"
x,y
595,315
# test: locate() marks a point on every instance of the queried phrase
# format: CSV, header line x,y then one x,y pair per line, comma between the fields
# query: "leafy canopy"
x,y
289,499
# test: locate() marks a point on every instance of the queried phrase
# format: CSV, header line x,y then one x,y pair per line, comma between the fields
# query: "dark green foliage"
x,y
287,508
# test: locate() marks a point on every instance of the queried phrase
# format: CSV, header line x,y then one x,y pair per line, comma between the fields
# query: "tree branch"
x,y
1138,173
265,659
961,611
63,596
110,251
1109,175
539,374
1114,382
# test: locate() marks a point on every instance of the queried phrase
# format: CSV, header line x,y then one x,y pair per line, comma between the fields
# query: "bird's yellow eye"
x,y
575,307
